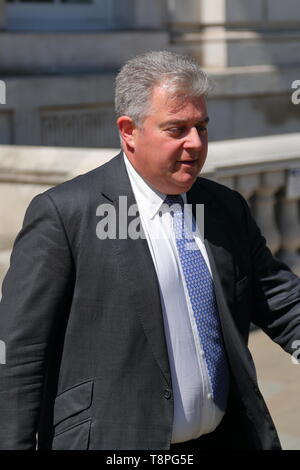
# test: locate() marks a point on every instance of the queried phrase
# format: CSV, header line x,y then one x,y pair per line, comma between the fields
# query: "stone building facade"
x,y
58,59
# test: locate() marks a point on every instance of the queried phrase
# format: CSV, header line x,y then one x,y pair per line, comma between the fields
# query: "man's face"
x,y
170,148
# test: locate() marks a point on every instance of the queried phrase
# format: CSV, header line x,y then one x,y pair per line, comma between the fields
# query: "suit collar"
x,y
115,181
147,197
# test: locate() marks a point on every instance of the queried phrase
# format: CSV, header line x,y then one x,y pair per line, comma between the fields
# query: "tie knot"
x,y
174,199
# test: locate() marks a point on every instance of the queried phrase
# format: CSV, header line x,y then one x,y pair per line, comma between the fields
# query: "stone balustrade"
x,y
265,170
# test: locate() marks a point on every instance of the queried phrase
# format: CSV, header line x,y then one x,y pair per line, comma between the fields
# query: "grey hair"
x,y
179,74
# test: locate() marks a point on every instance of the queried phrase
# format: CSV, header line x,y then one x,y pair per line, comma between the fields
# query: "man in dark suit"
x,y
135,338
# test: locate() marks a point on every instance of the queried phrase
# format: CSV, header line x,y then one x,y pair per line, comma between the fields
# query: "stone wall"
x,y
228,33
64,95
78,110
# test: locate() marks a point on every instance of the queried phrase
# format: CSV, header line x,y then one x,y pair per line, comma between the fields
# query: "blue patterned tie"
x,y
202,296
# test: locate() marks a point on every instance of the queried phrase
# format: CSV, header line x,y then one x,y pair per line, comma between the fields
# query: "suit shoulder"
x,y
221,197
77,194
84,183
218,190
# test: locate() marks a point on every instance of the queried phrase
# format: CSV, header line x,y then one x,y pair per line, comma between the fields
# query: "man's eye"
x,y
202,130
176,130
179,131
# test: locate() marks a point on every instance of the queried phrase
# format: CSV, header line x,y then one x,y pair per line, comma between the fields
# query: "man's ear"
x,y
126,128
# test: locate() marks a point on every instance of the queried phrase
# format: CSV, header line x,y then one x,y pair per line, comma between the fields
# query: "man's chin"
x,y
187,180
183,186
175,185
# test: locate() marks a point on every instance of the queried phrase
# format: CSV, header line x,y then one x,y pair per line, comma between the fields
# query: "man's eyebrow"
x,y
176,122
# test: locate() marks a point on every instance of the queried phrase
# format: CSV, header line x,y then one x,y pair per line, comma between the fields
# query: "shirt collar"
x,y
147,197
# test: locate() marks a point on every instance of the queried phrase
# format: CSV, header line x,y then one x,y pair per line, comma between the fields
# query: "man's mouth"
x,y
188,162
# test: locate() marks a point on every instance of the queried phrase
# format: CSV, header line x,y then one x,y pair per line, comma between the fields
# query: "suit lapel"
x,y
138,270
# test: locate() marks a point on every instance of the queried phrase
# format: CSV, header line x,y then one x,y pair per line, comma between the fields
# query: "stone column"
x,y
228,181
247,184
227,33
264,208
2,14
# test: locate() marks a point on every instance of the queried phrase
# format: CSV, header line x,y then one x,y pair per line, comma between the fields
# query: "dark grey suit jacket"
x,y
87,364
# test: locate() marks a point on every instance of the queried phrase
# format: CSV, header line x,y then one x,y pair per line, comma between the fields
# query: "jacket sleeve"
x,y
34,295
276,291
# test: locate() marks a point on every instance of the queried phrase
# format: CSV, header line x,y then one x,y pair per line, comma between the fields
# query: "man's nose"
x,y
193,139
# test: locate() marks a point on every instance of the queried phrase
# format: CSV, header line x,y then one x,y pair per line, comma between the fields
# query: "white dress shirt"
x,y
195,412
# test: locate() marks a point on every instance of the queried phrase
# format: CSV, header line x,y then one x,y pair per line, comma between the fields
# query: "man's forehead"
x,y
175,98
175,102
